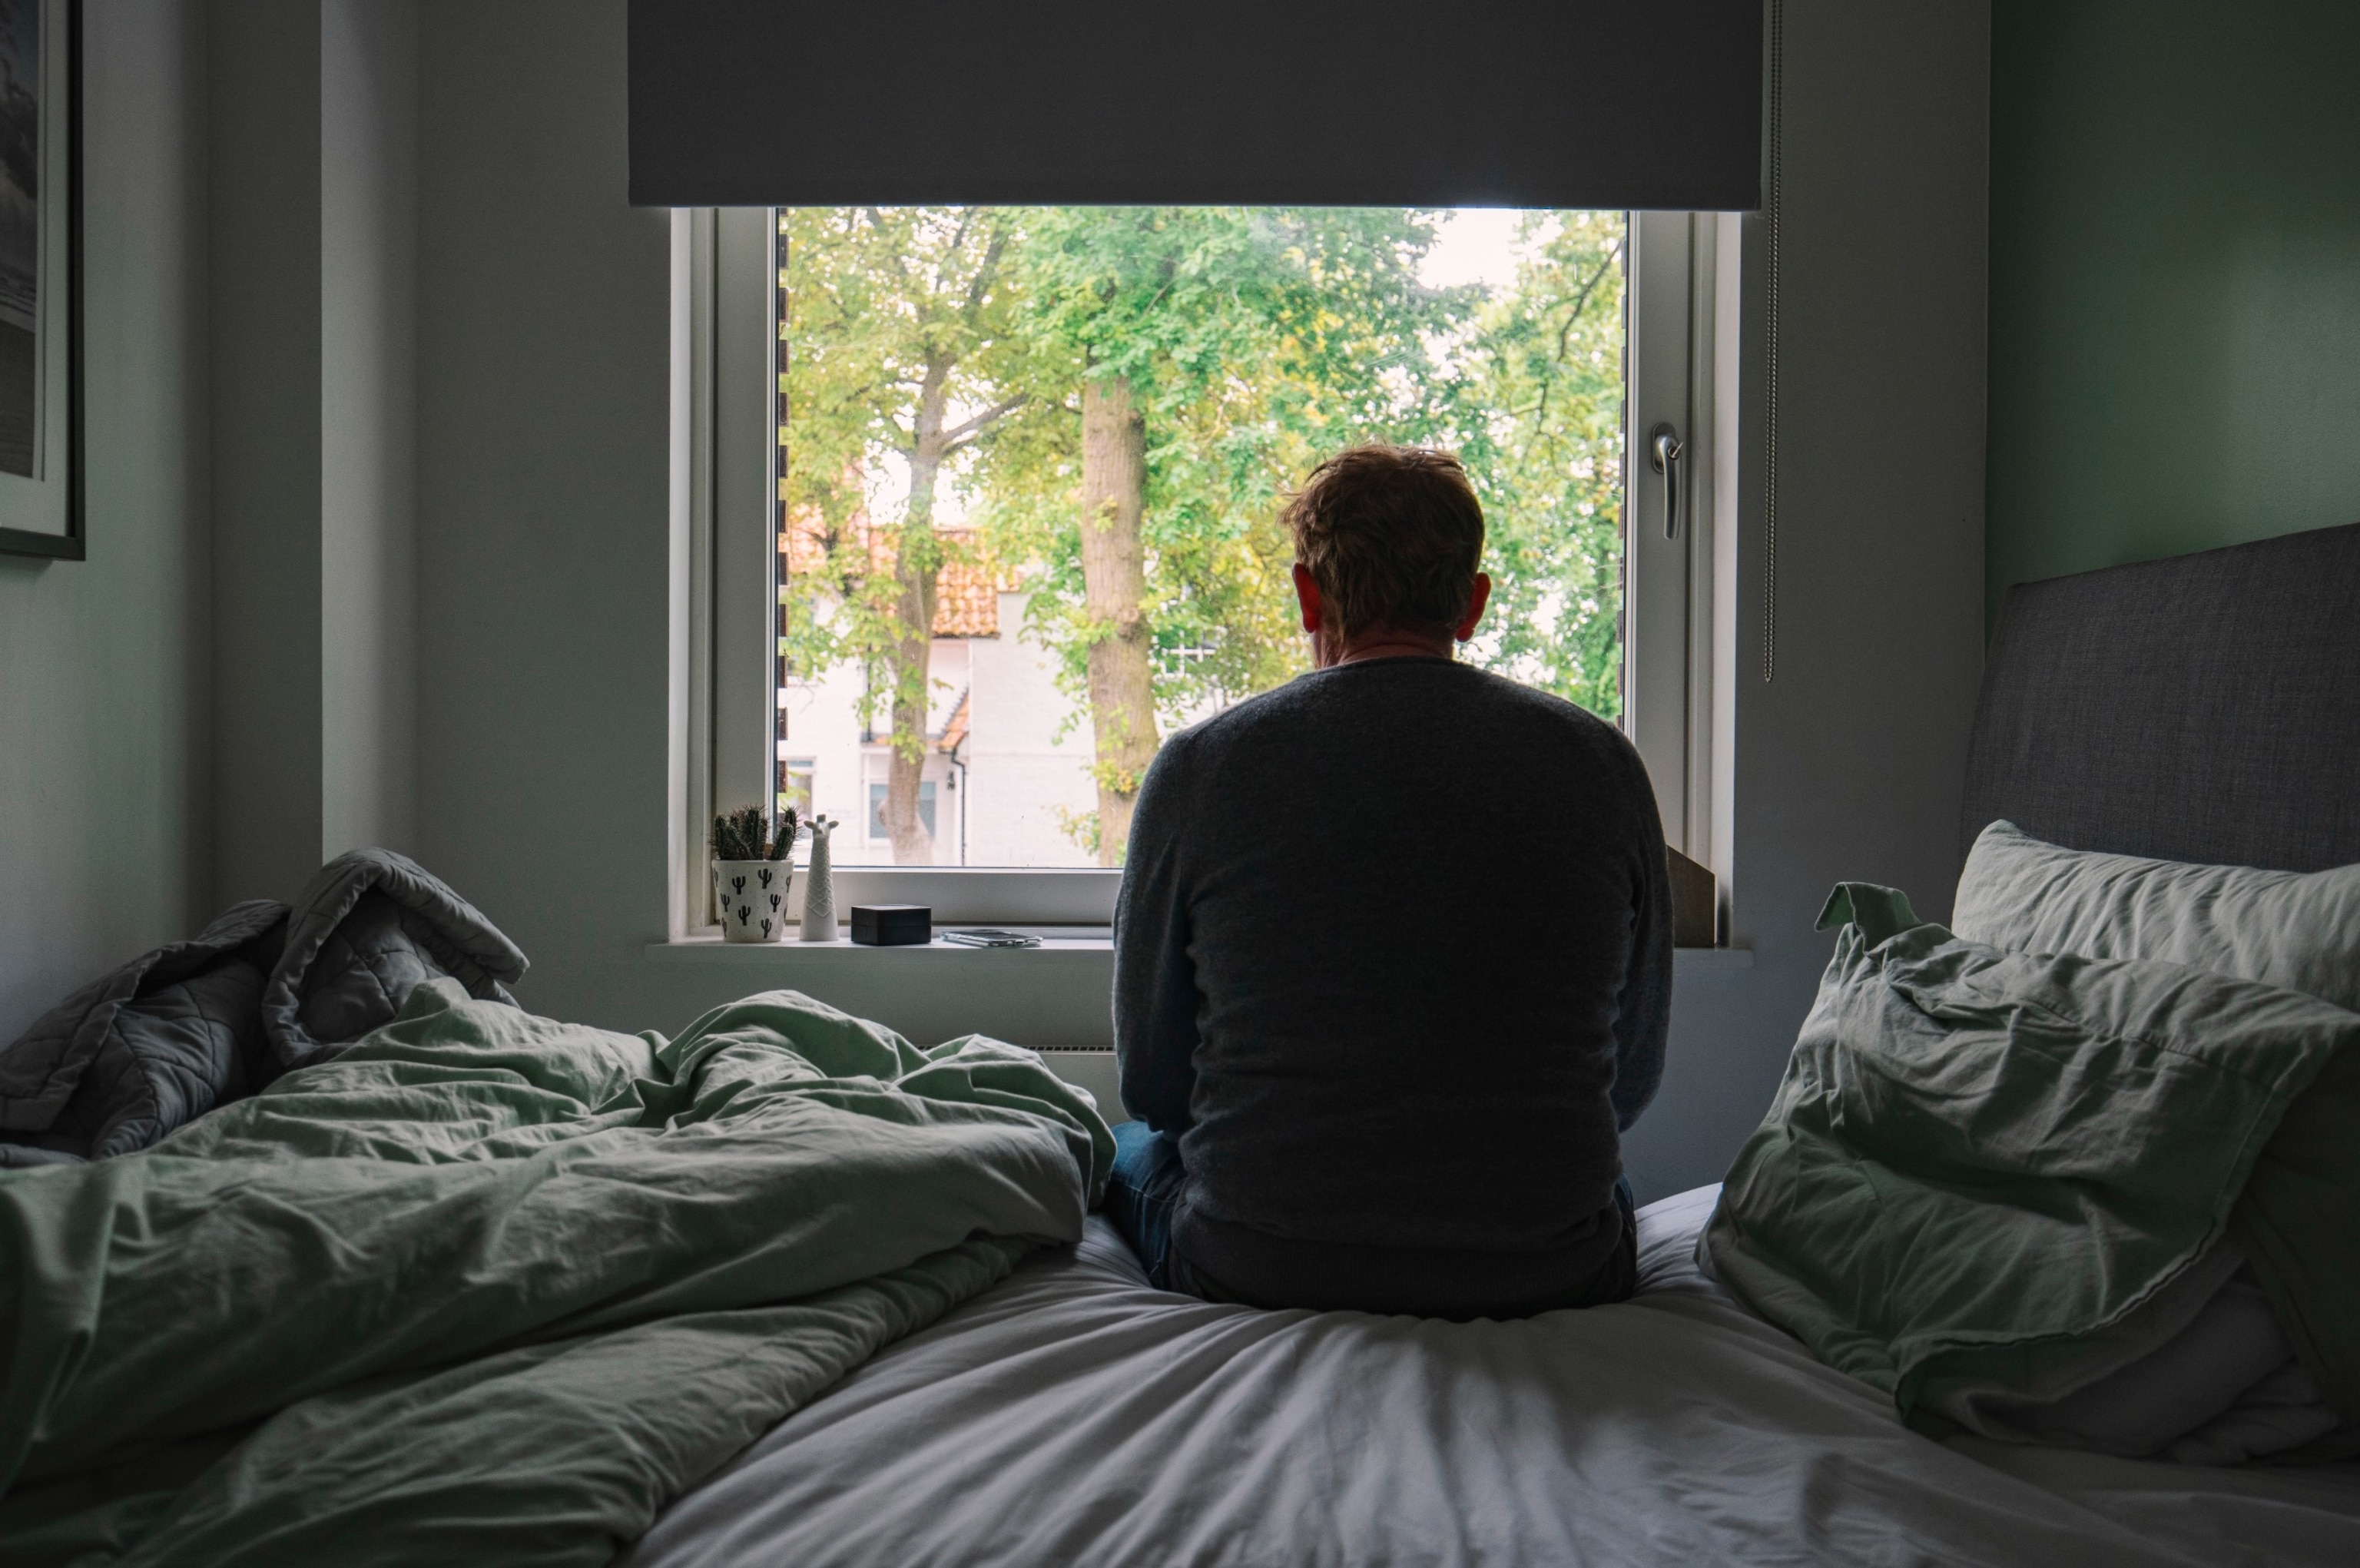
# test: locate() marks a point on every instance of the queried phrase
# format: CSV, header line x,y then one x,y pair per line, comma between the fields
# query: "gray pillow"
x,y
2293,929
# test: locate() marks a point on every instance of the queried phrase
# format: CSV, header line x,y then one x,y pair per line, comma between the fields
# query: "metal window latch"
x,y
1664,452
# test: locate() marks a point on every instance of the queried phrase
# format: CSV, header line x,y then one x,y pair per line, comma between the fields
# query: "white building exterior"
x,y
997,768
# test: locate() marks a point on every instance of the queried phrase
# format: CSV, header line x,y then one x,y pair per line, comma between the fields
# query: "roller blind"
x,y
1509,103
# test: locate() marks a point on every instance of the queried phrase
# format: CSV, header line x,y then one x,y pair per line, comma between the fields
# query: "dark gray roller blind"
x,y
1509,103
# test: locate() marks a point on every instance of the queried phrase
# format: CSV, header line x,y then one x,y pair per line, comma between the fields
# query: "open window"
x,y
1008,483
984,486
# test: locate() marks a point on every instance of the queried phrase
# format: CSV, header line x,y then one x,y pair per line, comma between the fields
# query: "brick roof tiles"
x,y
966,596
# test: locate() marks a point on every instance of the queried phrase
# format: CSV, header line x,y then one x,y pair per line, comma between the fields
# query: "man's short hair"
x,y
1392,536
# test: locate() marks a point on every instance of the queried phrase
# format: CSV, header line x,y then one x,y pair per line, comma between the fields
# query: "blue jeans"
x,y
1145,1184
1140,1194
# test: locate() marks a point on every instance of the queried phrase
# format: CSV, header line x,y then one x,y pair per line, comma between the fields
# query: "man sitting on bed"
x,y
1393,956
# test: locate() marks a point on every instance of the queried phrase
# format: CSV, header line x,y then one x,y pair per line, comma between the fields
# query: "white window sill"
x,y
1063,945
707,948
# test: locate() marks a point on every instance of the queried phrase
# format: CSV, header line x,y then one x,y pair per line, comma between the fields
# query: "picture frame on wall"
x,y
41,510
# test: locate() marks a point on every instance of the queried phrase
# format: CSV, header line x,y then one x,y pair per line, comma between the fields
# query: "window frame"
x,y
1680,346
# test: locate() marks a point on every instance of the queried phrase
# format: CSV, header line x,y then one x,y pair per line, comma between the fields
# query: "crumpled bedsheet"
x,y
491,1289
1992,1183
1073,1414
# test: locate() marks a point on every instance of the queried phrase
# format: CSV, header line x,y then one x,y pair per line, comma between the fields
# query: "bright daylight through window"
x,y
1031,463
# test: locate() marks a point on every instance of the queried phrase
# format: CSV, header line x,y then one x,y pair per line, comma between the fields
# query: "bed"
x,y
2198,708
1075,1415
478,1285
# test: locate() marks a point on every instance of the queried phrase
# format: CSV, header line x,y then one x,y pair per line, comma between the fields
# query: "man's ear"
x,y
1306,594
1475,603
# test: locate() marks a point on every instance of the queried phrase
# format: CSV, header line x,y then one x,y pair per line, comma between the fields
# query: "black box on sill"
x,y
893,925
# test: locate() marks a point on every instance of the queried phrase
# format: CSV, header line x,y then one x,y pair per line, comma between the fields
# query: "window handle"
x,y
1664,454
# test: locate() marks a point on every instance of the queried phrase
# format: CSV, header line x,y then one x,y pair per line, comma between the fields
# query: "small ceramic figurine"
x,y
819,884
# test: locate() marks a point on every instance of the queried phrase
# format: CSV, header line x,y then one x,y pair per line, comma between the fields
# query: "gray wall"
x,y
2175,324
104,682
368,424
1850,763
265,194
544,370
313,235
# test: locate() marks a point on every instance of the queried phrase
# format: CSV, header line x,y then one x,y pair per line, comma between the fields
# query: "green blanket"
x,y
492,1288
1989,1179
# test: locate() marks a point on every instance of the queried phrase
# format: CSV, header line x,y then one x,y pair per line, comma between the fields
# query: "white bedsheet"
x,y
1072,1415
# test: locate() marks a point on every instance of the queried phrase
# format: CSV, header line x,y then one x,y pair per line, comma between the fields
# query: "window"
x,y
948,392
877,829
795,785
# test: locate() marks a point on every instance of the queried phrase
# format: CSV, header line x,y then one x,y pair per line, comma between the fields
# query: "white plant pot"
x,y
752,898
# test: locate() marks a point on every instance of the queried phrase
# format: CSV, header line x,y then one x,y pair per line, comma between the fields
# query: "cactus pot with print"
x,y
751,897
751,874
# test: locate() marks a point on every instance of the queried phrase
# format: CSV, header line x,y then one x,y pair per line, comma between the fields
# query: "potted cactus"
x,y
750,873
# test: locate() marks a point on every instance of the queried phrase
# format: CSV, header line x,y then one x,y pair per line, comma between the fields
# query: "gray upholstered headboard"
x,y
2200,709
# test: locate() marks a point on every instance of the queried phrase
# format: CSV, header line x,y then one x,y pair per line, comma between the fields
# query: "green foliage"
x,y
1080,827
744,835
1540,428
885,305
1256,342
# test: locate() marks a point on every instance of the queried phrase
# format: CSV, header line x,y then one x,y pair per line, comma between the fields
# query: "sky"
x,y
1475,244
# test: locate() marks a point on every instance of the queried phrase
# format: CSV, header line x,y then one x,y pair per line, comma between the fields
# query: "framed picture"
x,y
41,278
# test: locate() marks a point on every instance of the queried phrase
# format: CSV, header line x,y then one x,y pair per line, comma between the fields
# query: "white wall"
x,y
544,544
1023,770
104,836
1021,761
825,726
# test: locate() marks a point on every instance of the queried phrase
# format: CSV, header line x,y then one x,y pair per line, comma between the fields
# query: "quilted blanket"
x,y
175,1032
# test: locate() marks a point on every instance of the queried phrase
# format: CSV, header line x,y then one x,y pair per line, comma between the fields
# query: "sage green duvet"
x,y
490,1287
1991,1179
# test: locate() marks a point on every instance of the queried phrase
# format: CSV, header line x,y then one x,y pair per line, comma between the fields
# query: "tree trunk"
x,y
912,682
917,568
1114,584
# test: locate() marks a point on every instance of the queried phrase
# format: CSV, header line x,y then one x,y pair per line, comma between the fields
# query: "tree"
x,y
898,322
1538,418
1114,595
1123,395
1220,352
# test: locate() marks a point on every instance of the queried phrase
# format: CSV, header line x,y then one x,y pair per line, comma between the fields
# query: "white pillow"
x,y
2300,931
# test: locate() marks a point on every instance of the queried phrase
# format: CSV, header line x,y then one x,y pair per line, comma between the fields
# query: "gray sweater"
x,y
1393,960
